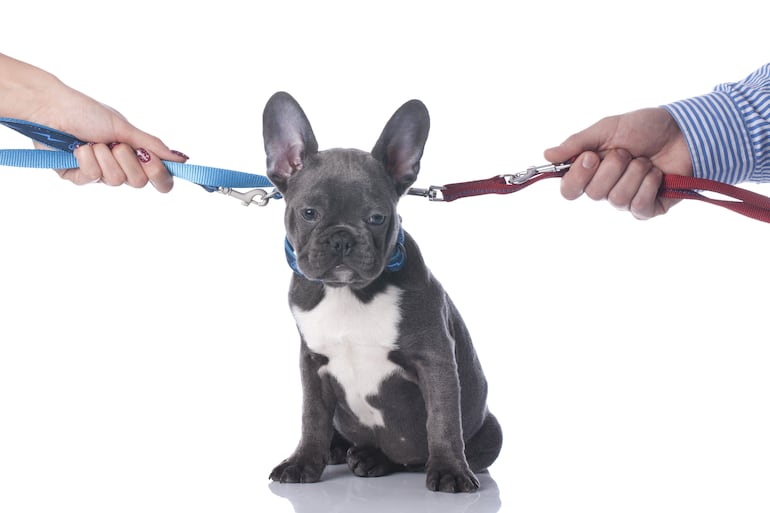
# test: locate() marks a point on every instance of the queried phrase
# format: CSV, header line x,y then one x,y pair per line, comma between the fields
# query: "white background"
x,y
147,354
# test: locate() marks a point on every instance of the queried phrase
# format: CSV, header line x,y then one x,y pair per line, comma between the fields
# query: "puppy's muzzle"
x,y
341,243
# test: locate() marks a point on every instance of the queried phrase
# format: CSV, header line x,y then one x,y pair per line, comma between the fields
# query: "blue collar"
x,y
396,262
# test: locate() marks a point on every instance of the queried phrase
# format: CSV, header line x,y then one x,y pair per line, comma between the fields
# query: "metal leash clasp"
x,y
433,193
533,171
259,197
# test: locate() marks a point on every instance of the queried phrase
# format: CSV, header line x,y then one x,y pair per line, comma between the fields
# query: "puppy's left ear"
x,y
401,143
289,139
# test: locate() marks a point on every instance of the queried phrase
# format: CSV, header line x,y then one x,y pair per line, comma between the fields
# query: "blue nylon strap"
x,y
55,139
210,178
215,177
38,158
205,176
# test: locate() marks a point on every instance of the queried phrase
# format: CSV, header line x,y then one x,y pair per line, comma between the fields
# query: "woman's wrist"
x,y
25,89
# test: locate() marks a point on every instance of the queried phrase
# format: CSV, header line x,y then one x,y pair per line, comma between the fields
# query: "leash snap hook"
x,y
532,171
433,193
259,197
520,177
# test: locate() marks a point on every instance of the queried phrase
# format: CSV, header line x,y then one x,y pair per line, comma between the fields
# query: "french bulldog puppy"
x,y
390,378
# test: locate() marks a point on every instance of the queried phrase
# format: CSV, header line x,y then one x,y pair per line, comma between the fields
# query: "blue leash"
x,y
210,178
61,157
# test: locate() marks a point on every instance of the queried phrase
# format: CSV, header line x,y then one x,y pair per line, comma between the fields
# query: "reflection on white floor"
x,y
339,491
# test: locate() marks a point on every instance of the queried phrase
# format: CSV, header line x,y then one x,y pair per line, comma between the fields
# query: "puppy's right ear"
x,y
289,139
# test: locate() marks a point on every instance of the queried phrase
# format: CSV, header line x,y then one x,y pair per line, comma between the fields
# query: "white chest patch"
x,y
356,337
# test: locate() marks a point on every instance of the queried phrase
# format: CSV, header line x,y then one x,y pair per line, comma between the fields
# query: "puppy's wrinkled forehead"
x,y
351,174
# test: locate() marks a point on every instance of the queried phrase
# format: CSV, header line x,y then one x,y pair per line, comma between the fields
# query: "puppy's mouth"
x,y
343,275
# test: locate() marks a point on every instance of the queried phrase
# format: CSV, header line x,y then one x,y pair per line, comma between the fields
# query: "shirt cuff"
x,y
720,145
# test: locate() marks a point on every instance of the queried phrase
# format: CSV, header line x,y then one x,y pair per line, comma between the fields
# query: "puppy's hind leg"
x,y
484,447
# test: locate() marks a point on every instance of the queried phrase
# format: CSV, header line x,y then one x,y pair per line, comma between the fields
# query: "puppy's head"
x,y
341,203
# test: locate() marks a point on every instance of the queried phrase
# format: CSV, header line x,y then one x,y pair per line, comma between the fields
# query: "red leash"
x,y
743,202
496,185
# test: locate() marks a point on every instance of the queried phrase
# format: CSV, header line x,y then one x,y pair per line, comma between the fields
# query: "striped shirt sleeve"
x,y
728,130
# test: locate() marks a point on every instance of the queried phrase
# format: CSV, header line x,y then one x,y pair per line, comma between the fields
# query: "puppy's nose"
x,y
341,243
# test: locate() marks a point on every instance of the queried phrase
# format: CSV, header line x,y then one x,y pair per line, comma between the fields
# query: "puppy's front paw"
x,y
451,479
295,470
369,462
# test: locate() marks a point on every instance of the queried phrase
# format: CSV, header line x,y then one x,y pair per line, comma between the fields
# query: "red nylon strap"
x,y
745,202
494,185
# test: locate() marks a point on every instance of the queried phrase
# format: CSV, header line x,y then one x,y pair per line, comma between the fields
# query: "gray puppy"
x,y
390,378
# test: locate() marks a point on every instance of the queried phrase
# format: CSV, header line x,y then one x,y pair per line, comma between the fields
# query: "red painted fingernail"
x,y
180,154
112,145
143,155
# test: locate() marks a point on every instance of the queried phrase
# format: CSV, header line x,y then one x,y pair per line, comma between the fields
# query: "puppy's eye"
x,y
376,219
309,214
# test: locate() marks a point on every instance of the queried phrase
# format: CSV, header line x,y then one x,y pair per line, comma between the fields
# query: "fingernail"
x,y
180,154
143,155
112,145
589,161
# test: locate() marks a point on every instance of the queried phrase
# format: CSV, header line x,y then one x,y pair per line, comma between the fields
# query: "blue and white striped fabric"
x,y
728,130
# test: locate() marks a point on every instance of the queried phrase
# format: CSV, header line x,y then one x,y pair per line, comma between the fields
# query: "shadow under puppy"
x,y
390,379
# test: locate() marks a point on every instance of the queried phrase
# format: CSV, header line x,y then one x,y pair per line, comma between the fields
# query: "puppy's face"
x,y
341,204
341,217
